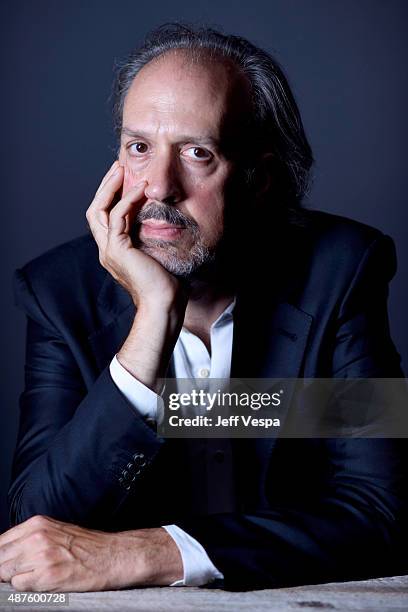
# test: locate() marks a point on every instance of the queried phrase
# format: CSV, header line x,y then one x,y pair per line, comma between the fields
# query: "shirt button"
x,y
203,372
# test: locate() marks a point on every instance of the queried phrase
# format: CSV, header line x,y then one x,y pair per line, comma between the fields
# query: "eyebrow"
x,y
202,138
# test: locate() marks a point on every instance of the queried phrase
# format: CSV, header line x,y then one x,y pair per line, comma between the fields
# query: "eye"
x,y
138,148
198,153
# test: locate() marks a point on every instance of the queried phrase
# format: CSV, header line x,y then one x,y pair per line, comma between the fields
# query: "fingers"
x,y
29,544
11,534
10,551
110,222
108,175
35,522
17,565
104,196
14,533
118,216
24,582
97,213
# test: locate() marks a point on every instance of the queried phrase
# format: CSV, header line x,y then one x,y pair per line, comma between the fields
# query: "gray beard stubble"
x,y
167,252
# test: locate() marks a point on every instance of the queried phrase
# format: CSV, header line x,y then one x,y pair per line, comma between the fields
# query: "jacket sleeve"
x,y
356,527
79,451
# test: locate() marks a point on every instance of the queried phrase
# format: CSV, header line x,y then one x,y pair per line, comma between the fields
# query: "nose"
x,y
163,179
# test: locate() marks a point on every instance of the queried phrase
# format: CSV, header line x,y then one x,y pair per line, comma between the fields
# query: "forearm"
x,y
150,557
44,554
147,350
76,475
287,547
71,465
352,530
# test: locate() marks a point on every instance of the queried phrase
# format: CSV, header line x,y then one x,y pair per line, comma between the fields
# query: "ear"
x,y
263,174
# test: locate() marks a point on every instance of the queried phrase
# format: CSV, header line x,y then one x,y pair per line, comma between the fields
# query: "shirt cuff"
x,y
141,397
197,566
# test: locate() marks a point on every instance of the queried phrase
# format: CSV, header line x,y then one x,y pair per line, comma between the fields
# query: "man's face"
x,y
175,123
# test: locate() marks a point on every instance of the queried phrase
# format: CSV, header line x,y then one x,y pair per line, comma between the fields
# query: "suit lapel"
x,y
269,342
270,331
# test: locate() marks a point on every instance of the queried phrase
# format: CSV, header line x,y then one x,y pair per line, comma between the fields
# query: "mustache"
x,y
169,214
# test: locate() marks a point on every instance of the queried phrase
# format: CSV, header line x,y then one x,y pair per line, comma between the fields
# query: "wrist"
x,y
166,297
152,558
166,566
147,350
172,305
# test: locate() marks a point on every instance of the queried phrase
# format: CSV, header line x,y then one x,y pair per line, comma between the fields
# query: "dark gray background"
x,y
346,61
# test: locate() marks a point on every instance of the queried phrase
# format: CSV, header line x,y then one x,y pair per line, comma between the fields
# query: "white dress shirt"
x,y
191,359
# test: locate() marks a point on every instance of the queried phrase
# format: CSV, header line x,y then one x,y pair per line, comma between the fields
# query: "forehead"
x,y
175,93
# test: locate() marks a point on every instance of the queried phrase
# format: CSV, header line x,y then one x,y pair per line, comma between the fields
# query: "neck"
x,y
207,301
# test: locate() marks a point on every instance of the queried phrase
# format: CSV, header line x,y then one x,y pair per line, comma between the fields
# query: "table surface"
x,y
379,594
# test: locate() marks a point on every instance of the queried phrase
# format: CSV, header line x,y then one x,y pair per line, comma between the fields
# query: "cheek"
x,y
127,183
130,177
209,209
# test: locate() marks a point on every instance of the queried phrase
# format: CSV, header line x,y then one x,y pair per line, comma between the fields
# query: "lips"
x,y
161,224
160,229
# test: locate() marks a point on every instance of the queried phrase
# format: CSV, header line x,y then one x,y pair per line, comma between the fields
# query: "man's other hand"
x,y
43,554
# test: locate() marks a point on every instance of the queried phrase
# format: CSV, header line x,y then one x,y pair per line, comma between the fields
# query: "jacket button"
x,y
124,483
140,460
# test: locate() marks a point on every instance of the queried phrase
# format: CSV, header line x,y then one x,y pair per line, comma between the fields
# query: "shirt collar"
x,y
224,318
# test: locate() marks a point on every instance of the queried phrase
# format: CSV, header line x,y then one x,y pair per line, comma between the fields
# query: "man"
x,y
200,264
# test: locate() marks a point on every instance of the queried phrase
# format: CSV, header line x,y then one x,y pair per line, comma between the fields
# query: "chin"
x,y
169,259
168,255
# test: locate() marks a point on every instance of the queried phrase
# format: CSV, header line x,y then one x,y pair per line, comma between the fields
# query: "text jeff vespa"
x,y
209,401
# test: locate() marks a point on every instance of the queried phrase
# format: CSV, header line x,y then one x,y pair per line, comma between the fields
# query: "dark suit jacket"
x,y
310,510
